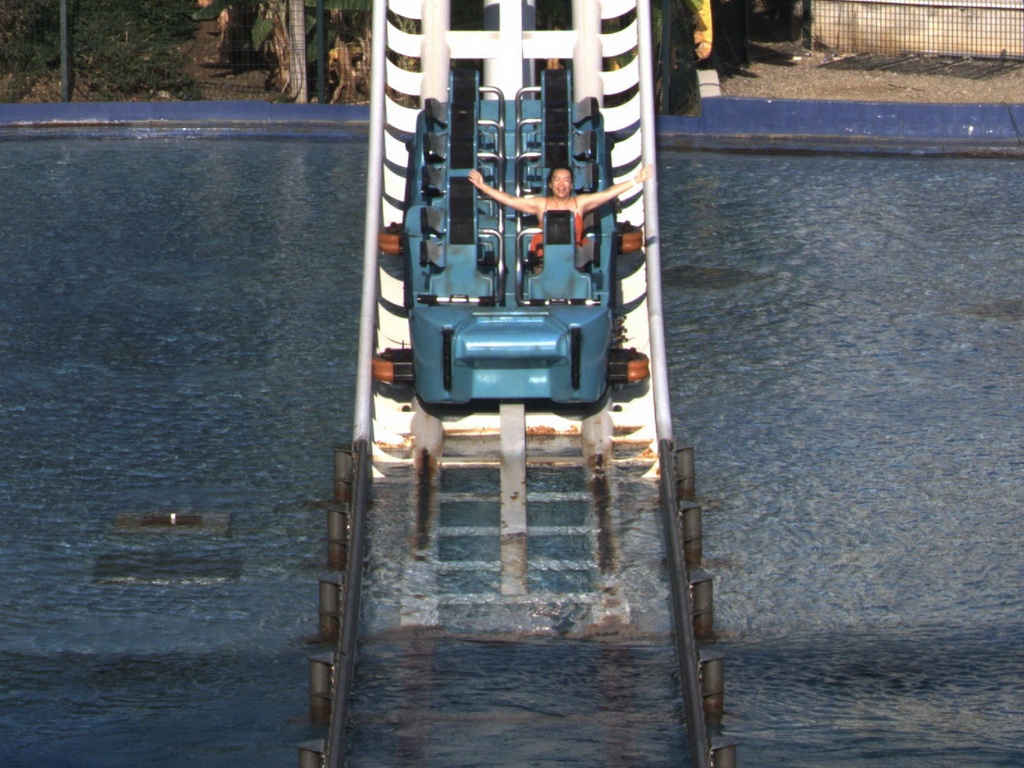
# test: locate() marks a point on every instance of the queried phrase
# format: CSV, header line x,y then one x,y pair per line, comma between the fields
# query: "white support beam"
x,y
505,68
549,44
513,498
435,58
586,55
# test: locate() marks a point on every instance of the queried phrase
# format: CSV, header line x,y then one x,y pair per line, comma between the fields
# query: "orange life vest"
x,y
537,241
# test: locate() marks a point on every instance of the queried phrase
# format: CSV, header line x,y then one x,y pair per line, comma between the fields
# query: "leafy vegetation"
x,y
346,27
128,48
29,44
119,49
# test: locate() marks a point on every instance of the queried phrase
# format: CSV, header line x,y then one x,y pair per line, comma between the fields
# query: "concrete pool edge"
x,y
861,126
234,117
725,123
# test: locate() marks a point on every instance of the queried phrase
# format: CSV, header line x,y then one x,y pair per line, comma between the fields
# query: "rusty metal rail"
x,y
348,633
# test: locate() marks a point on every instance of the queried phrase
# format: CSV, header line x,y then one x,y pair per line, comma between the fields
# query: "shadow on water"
x,y
1000,309
707,278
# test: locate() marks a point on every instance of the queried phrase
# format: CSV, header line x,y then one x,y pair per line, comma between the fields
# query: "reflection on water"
x,y
176,334
682,276
547,702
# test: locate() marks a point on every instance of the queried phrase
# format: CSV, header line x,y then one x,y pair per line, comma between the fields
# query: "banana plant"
x,y
285,42
269,9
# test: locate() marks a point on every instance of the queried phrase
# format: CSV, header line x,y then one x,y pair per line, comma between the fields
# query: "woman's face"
x,y
561,183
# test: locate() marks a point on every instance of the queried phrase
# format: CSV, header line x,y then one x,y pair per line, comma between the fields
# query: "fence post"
x,y
666,56
65,65
321,37
806,22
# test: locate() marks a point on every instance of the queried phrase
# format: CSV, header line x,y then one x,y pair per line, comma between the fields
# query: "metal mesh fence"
x,y
139,50
969,28
29,44
974,38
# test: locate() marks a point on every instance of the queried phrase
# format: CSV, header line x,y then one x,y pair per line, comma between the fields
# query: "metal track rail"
x,y
345,654
682,610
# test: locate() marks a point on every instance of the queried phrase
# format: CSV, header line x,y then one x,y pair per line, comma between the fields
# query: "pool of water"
x,y
845,353
177,335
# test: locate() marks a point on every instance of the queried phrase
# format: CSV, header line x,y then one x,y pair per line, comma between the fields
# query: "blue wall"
x,y
169,117
849,125
724,123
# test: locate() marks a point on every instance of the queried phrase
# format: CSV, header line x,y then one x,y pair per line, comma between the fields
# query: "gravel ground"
x,y
788,71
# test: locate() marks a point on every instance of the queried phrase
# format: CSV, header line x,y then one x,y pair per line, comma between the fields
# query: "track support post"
x,y
712,683
321,687
312,754
701,584
686,476
690,518
723,753
343,474
330,605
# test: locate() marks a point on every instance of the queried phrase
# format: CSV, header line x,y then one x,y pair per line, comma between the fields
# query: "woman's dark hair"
x,y
551,173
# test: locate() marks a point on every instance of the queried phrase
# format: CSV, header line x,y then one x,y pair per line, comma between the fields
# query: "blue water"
x,y
846,359
177,333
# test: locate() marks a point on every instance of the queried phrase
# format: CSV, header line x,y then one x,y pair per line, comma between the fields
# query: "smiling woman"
x,y
563,197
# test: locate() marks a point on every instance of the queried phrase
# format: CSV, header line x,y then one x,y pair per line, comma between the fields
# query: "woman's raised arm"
x,y
590,201
532,205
